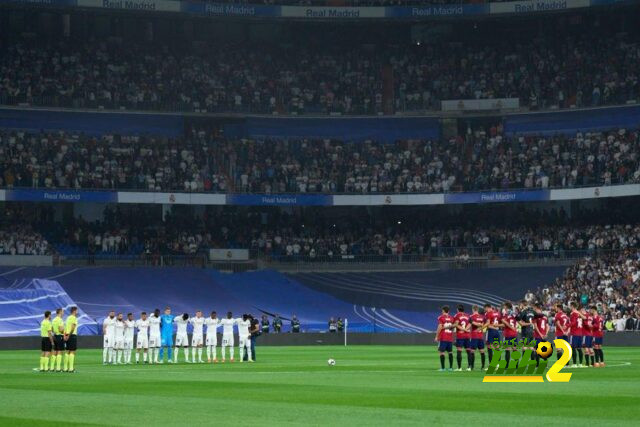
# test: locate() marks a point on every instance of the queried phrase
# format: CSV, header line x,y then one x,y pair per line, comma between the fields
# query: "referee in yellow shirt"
x,y
46,333
58,341
71,339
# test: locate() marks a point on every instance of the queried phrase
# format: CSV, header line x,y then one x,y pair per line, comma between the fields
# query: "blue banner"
x,y
437,11
497,196
93,123
572,121
43,2
36,195
280,199
384,129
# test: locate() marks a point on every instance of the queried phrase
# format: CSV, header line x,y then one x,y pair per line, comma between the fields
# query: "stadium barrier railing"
x,y
447,258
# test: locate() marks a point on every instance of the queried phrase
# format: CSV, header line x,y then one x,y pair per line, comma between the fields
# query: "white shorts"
x,y
245,342
227,341
119,345
212,340
142,342
196,340
154,341
128,344
107,341
182,341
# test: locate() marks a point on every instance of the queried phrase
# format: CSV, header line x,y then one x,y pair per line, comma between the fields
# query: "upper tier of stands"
x,y
578,69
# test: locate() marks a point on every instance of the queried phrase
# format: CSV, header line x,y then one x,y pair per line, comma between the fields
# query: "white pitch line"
x,y
608,366
191,369
250,372
618,365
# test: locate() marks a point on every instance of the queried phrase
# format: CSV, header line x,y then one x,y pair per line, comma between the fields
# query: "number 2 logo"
x,y
553,374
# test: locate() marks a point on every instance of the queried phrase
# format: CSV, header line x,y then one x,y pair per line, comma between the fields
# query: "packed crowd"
x,y
23,241
574,72
448,242
137,230
611,282
19,232
587,70
203,162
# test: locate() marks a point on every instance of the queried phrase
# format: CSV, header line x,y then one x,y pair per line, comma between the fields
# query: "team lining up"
x,y
155,333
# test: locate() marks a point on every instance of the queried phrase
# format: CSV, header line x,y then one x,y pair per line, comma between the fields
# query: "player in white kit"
x,y
119,338
182,339
155,340
142,341
197,338
227,336
244,337
212,336
109,336
129,329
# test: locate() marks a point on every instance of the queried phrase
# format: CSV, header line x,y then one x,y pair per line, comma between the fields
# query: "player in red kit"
x,y
587,325
576,318
444,336
492,323
463,334
540,328
598,328
561,320
477,335
510,329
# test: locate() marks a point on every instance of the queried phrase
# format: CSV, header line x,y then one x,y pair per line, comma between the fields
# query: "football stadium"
x,y
319,212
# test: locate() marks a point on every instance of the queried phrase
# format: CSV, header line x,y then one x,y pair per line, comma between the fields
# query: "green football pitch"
x,y
369,385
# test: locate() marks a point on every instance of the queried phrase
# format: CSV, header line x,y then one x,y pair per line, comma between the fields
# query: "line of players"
x,y
154,333
584,326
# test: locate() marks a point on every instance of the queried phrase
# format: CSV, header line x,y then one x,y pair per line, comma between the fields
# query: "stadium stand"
x,y
309,77
195,112
204,162
610,282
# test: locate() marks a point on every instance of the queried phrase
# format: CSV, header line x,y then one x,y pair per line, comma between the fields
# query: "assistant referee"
x,y
58,341
46,334
71,339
